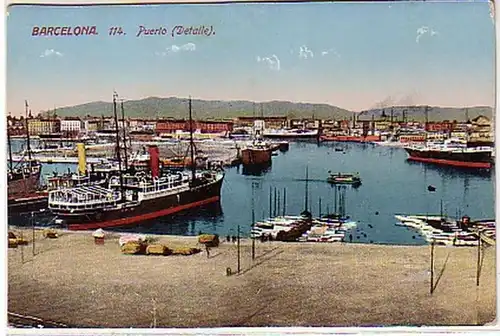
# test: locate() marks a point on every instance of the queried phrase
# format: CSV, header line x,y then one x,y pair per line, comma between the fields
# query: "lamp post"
x,y
432,267
33,226
238,242
253,220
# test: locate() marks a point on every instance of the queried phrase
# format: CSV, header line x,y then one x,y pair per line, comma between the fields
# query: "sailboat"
x,y
133,197
23,179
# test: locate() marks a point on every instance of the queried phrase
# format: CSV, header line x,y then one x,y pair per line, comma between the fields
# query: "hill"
x,y
173,107
206,109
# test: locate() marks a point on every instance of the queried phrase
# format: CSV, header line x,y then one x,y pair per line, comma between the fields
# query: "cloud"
x,y
424,30
175,48
51,52
273,62
305,53
330,51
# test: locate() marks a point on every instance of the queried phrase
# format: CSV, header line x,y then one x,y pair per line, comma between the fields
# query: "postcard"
x,y
313,164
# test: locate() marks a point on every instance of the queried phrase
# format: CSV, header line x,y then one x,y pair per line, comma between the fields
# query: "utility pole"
x,y
478,272
239,255
432,267
253,220
33,230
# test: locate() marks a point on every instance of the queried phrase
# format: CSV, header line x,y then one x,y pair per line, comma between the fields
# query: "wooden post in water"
x,y
335,199
319,206
279,204
432,267
274,210
284,202
270,201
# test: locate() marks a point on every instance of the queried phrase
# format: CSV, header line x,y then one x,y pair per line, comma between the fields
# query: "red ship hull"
x,y
464,164
143,217
251,156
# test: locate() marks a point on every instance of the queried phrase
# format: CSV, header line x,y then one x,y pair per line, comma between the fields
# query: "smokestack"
x,y
154,160
82,159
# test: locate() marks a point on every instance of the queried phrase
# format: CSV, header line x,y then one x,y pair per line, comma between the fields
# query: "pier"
x,y
286,285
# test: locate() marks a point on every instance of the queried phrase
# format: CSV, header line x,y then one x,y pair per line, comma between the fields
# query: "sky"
x,y
353,55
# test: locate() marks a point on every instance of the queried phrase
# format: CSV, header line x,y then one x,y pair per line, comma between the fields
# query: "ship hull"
x,y
23,186
26,204
455,159
251,156
146,210
348,138
310,135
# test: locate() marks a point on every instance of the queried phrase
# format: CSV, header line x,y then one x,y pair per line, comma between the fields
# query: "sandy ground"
x,y
73,281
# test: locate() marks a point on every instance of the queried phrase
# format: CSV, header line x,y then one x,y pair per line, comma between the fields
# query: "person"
x,y
207,248
350,237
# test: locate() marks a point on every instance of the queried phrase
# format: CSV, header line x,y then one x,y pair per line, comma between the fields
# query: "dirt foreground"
x,y
73,281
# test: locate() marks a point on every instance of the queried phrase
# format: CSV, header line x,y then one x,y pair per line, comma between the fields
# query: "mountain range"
x,y
173,107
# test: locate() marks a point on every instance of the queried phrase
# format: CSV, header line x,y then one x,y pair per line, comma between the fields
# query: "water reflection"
x,y
256,170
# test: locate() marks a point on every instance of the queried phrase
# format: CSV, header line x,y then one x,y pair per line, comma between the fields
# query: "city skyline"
x,y
388,53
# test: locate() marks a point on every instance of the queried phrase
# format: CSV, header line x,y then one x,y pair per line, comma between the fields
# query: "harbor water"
x,y
390,185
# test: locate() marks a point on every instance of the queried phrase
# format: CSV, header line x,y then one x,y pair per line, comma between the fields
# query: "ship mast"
x,y
10,145
118,155
124,136
28,131
426,111
191,142
306,199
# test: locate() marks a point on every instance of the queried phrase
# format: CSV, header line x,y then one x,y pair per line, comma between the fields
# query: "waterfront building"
x,y
71,125
37,126
200,126
270,121
16,126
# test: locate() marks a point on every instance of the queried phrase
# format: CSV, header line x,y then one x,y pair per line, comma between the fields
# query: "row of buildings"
x,y
74,126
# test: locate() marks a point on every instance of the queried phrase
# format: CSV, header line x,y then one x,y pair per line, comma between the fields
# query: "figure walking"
x,y
207,248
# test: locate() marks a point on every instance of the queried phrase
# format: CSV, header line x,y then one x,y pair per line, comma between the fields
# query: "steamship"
x,y
256,154
134,197
452,153
290,133
23,180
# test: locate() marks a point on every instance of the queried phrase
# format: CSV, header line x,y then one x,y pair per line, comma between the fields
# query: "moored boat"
x,y
130,198
23,180
344,178
452,153
256,154
350,138
290,133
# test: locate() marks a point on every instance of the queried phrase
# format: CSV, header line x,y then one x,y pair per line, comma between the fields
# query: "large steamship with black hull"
x,y
135,197
452,153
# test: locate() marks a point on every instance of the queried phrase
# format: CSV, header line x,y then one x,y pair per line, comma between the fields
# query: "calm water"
x,y
390,185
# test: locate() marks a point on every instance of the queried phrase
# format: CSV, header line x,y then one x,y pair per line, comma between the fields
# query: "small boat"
x,y
344,178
